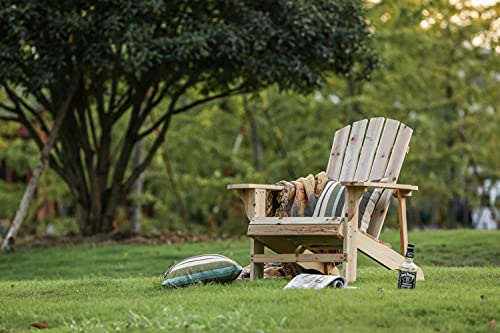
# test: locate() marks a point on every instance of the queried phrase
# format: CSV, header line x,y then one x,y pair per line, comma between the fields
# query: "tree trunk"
x,y
181,207
90,223
136,207
98,176
22,211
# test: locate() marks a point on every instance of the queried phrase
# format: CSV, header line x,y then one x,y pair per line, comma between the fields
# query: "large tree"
x,y
116,61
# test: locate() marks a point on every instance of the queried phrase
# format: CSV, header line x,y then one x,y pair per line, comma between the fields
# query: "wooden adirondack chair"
x,y
366,150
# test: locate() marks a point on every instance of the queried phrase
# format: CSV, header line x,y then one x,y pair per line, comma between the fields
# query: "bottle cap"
x,y
410,251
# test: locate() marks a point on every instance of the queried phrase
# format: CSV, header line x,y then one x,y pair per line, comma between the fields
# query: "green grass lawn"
x,y
106,288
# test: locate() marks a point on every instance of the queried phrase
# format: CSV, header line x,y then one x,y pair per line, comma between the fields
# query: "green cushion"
x,y
203,268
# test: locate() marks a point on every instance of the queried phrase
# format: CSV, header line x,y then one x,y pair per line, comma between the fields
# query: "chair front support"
x,y
401,192
350,247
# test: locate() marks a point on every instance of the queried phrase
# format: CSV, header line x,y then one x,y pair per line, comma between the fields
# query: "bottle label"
x,y
407,280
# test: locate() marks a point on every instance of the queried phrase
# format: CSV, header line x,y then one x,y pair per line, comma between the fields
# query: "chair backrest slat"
x,y
384,149
391,173
371,153
369,149
353,150
398,153
337,153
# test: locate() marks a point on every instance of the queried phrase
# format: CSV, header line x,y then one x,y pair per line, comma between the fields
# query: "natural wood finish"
x,y
378,240
298,257
398,153
381,185
298,243
248,198
256,268
403,193
256,247
403,234
351,231
382,254
324,267
293,229
269,187
369,149
379,213
260,203
391,174
358,154
296,220
337,154
353,150
254,201
384,149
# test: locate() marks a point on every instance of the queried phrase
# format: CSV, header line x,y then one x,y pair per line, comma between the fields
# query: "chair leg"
x,y
350,232
350,247
256,269
403,233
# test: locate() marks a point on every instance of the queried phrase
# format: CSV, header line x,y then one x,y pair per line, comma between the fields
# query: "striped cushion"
x,y
332,198
204,268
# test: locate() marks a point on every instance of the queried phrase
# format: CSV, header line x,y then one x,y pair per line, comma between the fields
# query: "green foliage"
x,y
112,63
439,78
10,195
219,42
19,154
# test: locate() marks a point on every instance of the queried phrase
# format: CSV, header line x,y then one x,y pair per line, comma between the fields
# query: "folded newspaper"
x,y
316,281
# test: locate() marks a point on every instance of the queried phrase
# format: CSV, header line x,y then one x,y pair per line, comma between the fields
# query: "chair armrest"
x,y
268,187
254,197
401,191
402,187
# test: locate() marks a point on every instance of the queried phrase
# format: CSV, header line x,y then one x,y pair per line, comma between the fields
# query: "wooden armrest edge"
x,y
381,185
269,187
